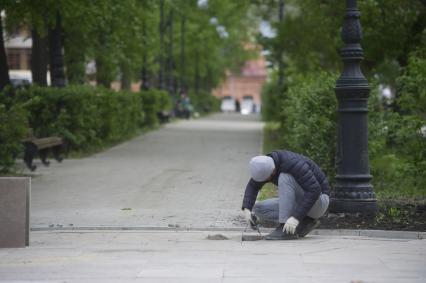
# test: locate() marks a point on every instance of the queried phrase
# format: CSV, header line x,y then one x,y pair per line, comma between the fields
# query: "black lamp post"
x,y
170,63
353,192
182,82
160,56
144,76
280,53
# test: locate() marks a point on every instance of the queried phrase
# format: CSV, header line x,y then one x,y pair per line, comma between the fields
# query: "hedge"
x,y
86,117
307,116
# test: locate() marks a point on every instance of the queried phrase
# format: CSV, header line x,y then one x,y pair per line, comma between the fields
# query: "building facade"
x,y
248,82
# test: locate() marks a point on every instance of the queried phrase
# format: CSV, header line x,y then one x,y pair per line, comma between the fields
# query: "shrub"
x,y
12,131
153,101
204,102
271,97
88,117
308,118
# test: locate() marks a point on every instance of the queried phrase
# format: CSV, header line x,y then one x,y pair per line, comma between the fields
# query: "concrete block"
x,y
15,212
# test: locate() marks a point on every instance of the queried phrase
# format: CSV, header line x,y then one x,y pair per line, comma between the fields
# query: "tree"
x,y
4,68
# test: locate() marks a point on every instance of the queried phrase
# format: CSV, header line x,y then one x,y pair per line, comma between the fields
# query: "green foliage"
x,y
308,118
411,86
271,98
12,131
394,56
154,101
89,117
398,159
204,102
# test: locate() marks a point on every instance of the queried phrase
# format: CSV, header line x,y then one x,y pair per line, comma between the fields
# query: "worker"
x,y
303,194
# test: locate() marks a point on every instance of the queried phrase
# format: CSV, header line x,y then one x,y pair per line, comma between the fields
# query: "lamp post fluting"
x,y
353,192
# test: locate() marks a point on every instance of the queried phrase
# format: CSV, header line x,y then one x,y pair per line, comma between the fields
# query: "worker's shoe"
x,y
278,234
306,226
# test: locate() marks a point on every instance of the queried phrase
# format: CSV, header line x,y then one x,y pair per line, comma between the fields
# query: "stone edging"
x,y
322,232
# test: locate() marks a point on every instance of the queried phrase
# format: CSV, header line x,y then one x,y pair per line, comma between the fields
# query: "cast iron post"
x,y
144,77
170,63
353,192
197,72
280,53
182,86
160,57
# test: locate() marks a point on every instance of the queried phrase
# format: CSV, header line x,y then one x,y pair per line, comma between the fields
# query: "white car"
x,y
247,105
228,104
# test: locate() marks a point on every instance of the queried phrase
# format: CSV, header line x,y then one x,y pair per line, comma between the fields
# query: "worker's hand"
x,y
247,215
290,225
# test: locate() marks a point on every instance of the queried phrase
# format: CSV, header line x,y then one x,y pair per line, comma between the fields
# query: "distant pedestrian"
x,y
237,106
303,194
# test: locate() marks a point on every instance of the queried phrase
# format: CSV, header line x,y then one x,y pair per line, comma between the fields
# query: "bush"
x,y
271,97
13,120
86,117
399,162
153,101
204,102
397,148
308,119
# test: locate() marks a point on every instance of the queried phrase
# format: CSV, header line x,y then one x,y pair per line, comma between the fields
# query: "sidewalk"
x,y
121,216
188,174
167,256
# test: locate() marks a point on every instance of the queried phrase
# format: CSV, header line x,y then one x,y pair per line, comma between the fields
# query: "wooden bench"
x,y
164,116
42,146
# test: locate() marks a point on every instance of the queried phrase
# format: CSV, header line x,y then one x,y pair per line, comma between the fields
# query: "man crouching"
x,y
303,194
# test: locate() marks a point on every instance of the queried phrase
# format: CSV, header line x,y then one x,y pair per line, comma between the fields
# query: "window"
x,y
27,54
19,58
14,59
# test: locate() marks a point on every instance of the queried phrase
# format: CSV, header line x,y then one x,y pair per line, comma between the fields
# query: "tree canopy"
x,y
121,37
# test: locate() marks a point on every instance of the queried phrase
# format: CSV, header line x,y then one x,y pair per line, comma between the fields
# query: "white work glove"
x,y
290,225
247,215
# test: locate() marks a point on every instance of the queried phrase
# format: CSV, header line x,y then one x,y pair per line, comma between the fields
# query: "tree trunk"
x,y
144,76
57,70
170,63
103,75
39,58
182,83
126,74
4,68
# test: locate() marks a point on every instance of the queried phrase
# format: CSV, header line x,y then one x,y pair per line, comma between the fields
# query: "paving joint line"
x,y
407,235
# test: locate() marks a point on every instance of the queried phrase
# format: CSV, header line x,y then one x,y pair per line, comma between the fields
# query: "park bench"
x,y
164,116
41,146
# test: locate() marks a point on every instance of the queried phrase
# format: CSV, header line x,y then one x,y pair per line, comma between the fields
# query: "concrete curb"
x,y
408,235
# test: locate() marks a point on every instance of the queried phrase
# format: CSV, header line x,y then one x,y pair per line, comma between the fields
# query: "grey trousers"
x,y
290,194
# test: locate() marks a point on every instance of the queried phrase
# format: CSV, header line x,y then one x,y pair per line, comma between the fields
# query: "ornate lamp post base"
x,y
353,206
353,194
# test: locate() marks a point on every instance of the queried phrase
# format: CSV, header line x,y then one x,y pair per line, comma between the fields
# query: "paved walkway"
x,y
187,257
190,175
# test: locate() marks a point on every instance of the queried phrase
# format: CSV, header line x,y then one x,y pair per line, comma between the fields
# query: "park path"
x,y
188,174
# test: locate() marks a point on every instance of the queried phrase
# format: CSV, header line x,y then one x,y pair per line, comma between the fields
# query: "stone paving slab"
x,y
188,173
166,256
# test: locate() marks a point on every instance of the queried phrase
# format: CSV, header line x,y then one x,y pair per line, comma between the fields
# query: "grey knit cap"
x,y
261,167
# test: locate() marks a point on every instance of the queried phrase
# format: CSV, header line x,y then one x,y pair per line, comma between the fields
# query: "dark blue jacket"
x,y
306,173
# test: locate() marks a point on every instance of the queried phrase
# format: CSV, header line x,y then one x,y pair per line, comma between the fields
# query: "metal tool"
x,y
254,225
